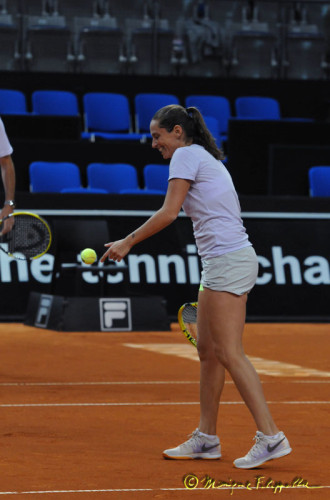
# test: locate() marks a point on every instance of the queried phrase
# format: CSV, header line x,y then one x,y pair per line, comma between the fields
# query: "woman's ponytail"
x,y
202,135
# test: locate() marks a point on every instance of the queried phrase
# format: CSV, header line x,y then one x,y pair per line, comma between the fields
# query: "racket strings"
x,y
189,313
29,236
189,317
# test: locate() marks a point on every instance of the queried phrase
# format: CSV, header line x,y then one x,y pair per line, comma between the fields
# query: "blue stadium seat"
x,y
84,190
12,102
214,106
319,180
213,126
156,176
146,106
54,102
52,177
142,191
107,115
114,177
257,108
262,108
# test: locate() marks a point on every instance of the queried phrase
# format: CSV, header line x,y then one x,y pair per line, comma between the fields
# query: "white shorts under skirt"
x,y
234,272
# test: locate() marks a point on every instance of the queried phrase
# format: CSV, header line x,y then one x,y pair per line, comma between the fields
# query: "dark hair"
x,y
192,122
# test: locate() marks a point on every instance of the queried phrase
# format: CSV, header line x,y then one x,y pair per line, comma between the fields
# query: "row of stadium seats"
x,y
122,178
102,178
215,39
108,115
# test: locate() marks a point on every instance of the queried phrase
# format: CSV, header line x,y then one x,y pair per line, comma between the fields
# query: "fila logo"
x,y
115,315
43,312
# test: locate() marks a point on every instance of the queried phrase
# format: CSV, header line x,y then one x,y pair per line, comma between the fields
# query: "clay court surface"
x,y
87,415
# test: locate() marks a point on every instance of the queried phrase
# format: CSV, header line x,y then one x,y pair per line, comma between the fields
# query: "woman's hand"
x,y
176,193
116,250
8,223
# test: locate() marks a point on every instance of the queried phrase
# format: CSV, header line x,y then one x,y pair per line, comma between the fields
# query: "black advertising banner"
x,y
294,272
292,248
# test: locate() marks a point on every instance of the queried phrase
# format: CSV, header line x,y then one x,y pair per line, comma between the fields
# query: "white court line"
x,y
142,382
135,382
165,403
263,366
309,381
134,490
149,213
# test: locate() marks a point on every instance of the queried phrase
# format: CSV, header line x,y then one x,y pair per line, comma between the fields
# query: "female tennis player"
x,y
200,183
8,179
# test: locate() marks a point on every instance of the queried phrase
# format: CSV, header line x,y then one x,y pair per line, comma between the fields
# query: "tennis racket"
x,y
29,238
187,317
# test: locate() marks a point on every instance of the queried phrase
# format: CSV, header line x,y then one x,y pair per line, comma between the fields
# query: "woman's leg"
x,y
224,313
212,373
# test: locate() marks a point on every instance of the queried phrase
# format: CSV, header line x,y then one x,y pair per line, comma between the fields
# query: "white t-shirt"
x,y
5,146
211,202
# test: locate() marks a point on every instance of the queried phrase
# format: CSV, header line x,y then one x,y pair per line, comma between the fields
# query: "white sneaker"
x,y
265,448
198,446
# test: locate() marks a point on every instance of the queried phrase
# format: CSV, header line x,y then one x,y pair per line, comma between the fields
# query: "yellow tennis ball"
x,y
88,256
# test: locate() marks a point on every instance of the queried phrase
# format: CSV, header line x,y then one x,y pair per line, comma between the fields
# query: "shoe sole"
x,y
277,455
192,457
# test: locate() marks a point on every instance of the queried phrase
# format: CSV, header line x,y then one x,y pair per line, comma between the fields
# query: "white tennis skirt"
x,y
234,272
